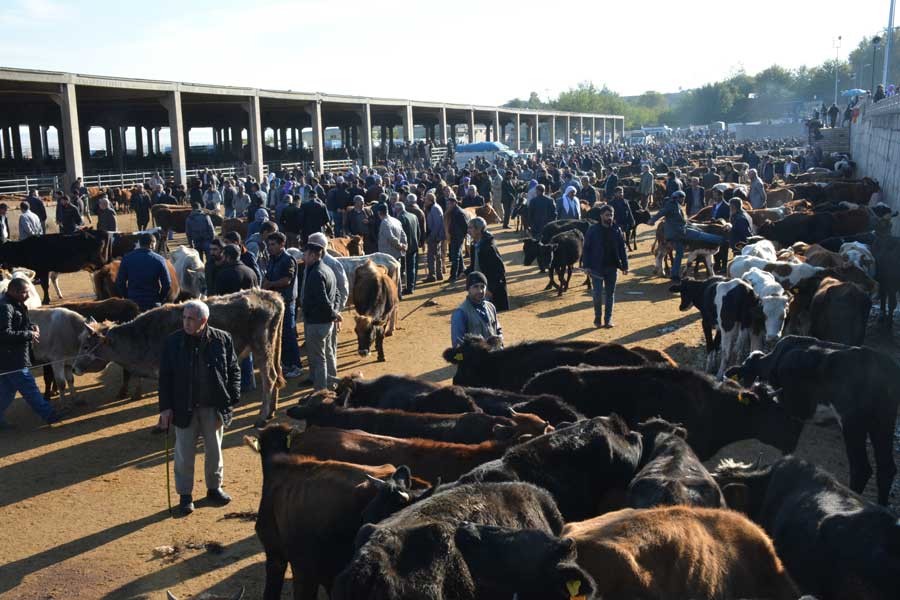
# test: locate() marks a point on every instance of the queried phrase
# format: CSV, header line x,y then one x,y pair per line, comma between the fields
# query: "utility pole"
x,y
888,47
837,49
875,41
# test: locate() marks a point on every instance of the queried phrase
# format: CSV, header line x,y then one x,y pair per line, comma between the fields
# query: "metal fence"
x,y
330,166
438,153
21,186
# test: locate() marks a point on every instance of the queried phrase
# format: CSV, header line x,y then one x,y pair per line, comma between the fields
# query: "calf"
x,y
860,385
59,345
839,312
443,400
432,460
503,403
702,296
716,413
763,249
565,253
587,466
172,218
310,511
375,297
356,391
104,280
466,428
347,246
670,472
679,552
477,364
740,318
835,543
774,301
413,553
859,254
818,256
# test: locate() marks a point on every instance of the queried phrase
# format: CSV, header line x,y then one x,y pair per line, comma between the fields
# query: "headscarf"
x,y
571,203
261,215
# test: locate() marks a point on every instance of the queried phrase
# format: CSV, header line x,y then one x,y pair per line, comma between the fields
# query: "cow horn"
x,y
375,481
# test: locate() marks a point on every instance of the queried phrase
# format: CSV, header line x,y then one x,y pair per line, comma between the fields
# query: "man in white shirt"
x,y
29,224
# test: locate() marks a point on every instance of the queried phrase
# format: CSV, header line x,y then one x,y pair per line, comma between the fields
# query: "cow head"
x,y
391,495
743,485
93,348
355,246
271,440
685,288
468,358
523,426
528,561
194,282
775,310
531,249
747,372
345,388
367,329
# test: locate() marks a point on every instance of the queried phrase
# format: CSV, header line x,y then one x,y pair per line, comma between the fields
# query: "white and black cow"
x,y
740,320
774,301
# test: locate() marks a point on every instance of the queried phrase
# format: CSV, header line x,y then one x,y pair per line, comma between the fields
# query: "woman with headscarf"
x,y
568,206
259,217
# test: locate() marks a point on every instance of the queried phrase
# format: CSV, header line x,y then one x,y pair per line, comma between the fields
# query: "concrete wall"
x,y
759,131
875,144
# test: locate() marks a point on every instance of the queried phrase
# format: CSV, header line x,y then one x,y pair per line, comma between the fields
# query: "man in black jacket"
x,y
199,382
67,216
486,259
457,224
16,335
410,261
541,210
319,316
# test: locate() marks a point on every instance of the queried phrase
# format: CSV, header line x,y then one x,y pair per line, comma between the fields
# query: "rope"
x,y
45,364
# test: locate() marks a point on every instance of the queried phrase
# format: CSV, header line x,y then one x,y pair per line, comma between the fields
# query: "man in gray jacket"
x,y
410,261
757,196
391,238
199,230
319,315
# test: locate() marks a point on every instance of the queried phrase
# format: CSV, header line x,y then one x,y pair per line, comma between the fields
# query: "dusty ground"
x,y
83,504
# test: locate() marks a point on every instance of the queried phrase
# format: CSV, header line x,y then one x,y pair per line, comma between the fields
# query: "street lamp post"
x,y
837,48
875,41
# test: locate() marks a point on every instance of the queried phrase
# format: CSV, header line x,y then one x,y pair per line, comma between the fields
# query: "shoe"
x,y
218,497
429,279
293,373
186,504
597,323
58,415
440,277
609,325
407,292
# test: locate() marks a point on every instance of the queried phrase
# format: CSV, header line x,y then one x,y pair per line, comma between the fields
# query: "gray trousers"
x,y
435,250
206,422
321,353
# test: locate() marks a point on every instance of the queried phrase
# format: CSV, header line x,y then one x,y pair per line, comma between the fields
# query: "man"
x,y
486,260
472,198
412,206
541,210
199,230
4,224
757,196
319,315
212,198
611,183
508,194
67,216
673,184
695,197
711,177
790,167
214,264
106,216
314,217
341,294
833,112
228,199
233,275
457,224
568,206
143,276
281,277
29,225
37,207
621,210
358,223
587,192
156,180
435,237
603,257
338,199
199,383
17,333
410,262
497,193
475,316
677,231
140,205
645,188
391,237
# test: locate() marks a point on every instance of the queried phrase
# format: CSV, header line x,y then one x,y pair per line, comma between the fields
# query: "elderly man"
x,y
341,294
486,260
757,196
568,206
391,237
106,216
645,188
435,237
410,262
29,224
320,314
475,316
199,383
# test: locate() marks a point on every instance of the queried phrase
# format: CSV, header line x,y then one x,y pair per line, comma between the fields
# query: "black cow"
x,y
834,243
478,364
886,250
413,553
702,296
565,252
60,253
670,471
443,400
835,544
503,403
538,250
356,391
715,413
799,227
861,386
586,466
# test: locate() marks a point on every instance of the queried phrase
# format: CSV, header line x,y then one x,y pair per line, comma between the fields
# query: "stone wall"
x,y
875,144
761,131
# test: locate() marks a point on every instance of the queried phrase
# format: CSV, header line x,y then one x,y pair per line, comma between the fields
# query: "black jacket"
x,y
15,335
234,278
319,289
491,264
175,375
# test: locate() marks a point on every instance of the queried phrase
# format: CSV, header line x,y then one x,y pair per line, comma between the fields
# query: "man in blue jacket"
x,y
622,210
603,256
143,276
541,210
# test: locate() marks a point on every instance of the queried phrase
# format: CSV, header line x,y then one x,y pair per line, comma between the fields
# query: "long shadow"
x,y
439,374
11,574
182,570
251,578
654,330
562,310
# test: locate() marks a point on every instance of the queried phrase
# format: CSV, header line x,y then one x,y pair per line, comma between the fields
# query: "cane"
x,y
168,476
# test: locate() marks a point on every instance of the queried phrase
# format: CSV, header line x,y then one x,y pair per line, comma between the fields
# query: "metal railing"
x,y
329,166
438,153
23,185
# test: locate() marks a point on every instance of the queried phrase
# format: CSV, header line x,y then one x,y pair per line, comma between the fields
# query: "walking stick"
x,y
168,476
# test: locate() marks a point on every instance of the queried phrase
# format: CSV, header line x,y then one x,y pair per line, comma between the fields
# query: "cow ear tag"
x,y
573,586
458,356
743,399
289,441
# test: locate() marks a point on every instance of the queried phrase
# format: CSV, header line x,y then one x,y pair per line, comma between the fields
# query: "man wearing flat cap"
x,y
476,316
319,313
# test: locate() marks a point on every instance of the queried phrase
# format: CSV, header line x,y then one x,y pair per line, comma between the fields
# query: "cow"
x,y
715,413
479,365
443,400
670,473
773,299
123,243
504,403
818,256
486,212
553,228
351,263
565,252
835,543
87,250
858,385
104,281
763,249
663,248
310,511
413,554
190,271
59,344
461,428
809,228
679,552
252,317
375,298
702,296
859,254
789,275
778,196
740,320
237,225
356,391
431,460
587,466
886,250
839,312
346,246
26,275
172,217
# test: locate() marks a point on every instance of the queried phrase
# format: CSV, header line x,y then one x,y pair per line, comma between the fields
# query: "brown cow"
x,y
347,246
105,281
851,222
679,552
430,459
123,243
778,196
486,212
238,225
818,256
375,298
839,312
172,217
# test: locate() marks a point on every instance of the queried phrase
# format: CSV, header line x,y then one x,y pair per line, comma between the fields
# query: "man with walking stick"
x,y
199,382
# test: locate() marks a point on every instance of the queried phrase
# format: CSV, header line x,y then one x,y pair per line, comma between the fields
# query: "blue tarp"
x,y
482,147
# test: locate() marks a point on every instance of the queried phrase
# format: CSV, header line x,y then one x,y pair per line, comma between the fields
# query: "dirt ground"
x,y
83,504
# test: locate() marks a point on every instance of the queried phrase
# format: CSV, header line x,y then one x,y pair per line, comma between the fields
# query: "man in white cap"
x,y
320,317
342,293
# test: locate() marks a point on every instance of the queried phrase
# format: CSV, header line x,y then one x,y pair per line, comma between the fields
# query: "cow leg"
x,y
54,280
59,376
45,286
881,435
70,382
729,340
123,389
711,272
306,583
49,383
551,284
275,569
379,343
855,444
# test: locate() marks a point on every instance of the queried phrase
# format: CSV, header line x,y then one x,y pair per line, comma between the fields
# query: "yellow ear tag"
x,y
573,586
743,399
458,356
735,379
289,441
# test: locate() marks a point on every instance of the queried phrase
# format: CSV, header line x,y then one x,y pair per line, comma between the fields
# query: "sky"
x,y
467,51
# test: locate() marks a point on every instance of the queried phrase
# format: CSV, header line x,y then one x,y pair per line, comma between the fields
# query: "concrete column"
x,y
34,139
45,143
236,142
471,126
553,131
139,141
517,124
255,137
580,131
568,130
177,135
317,135
7,150
365,128
85,140
443,126
60,142
71,135
498,131
119,148
537,131
406,115
16,141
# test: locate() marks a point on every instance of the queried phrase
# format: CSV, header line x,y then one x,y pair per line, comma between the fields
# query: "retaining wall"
x,y
875,144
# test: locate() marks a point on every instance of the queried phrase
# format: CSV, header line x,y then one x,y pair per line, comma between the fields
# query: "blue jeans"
x,y
412,269
229,212
605,279
456,258
290,349
247,382
694,235
338,225
24,383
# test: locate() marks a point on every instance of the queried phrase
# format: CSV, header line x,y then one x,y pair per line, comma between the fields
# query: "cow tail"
x,y
275,372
